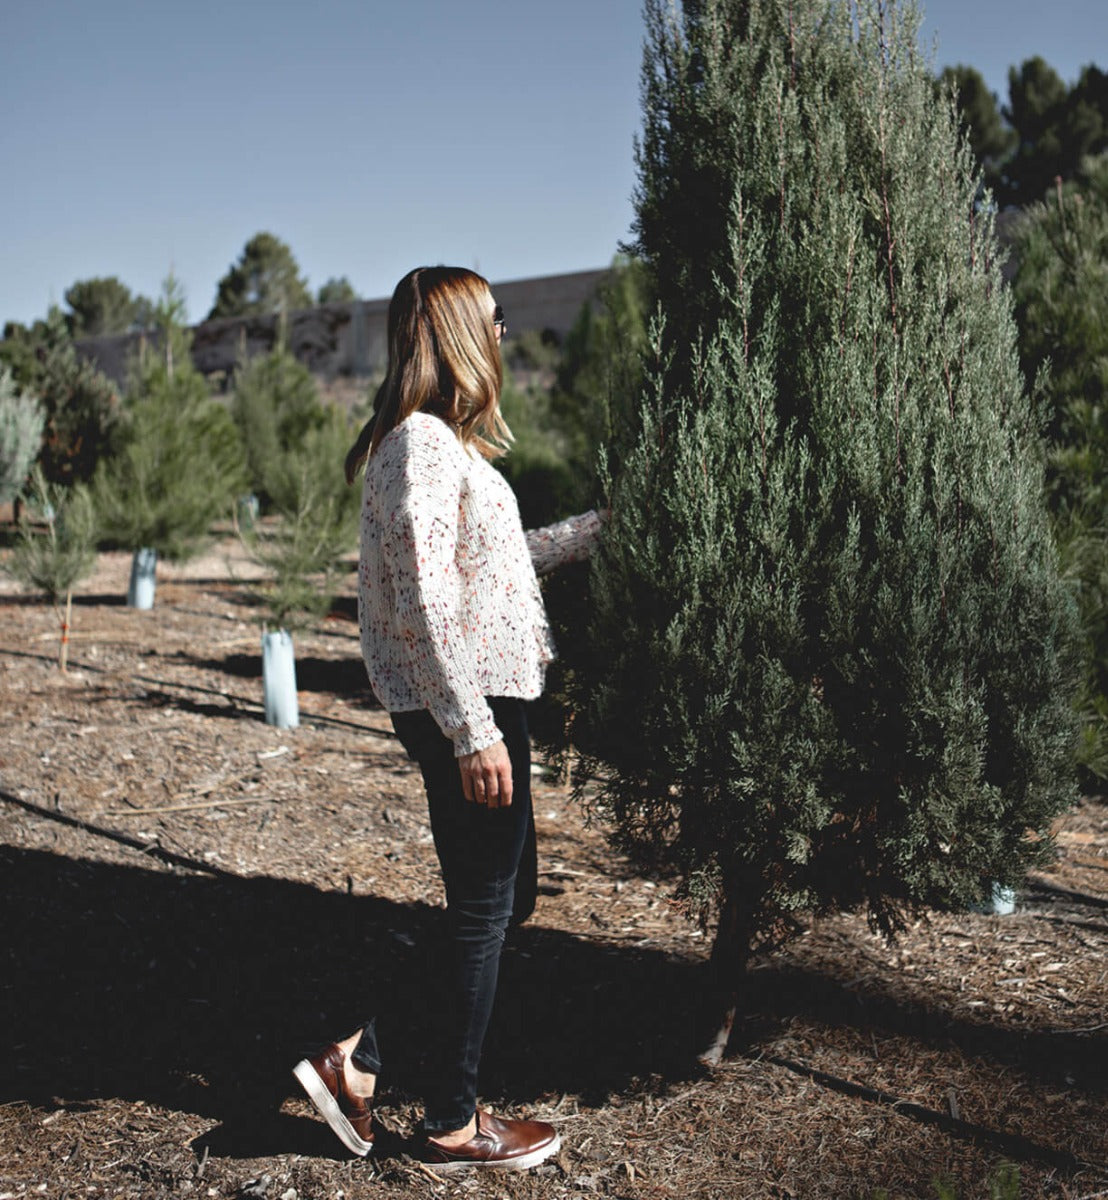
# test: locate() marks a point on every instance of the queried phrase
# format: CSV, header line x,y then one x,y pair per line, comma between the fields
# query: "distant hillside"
x,y
348,340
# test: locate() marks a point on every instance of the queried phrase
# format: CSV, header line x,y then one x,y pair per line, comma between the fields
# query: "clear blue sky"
x,y
370,136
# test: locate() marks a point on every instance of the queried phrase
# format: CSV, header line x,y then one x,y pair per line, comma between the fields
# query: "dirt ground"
x,y
193,899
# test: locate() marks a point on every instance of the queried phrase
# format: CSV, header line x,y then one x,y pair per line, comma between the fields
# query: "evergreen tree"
x,y
1036,110
81,405
597,378
831,661
99,306
337,291
1056,128
601,367
21,422
1061,291
179,462
55,546
316,526
56,543
275,406
558,401
20,350
265,279
990,138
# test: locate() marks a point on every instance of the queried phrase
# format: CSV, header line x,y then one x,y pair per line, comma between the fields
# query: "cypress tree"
x,y
830,660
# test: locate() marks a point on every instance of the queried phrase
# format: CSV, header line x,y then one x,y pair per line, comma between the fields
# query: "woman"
x,y
455,640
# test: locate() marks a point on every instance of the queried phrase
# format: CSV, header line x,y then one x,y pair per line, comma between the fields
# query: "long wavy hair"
x,y
443,359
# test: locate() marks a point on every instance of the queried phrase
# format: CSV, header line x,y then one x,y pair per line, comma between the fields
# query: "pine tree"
x,y
1061,293
275,406
99,306
316,525
830,663
337,291
55,546
179,462
265,279
1055,128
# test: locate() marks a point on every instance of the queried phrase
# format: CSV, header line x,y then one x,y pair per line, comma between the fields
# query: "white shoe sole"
x,y
522,1163
328,1108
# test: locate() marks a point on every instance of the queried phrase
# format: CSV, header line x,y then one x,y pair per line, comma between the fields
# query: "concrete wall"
x,y
337,340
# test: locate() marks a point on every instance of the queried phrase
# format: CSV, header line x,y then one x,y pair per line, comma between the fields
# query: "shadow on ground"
x,y
198,994
342,676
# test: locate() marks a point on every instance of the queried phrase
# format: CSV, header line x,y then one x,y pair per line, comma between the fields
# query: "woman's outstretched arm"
x,y
571,540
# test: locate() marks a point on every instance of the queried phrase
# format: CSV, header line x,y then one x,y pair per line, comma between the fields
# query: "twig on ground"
x,y
152,850
175,808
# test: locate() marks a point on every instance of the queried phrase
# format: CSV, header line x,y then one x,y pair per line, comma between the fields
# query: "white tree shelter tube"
x,y
279,680
140,593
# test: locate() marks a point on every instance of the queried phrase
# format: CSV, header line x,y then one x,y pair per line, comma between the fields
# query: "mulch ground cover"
x,y
193,899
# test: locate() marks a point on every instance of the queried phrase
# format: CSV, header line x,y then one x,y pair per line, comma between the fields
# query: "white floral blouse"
x,y
448,601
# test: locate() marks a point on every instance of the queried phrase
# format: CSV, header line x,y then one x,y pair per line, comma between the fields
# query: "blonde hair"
x,y
443,359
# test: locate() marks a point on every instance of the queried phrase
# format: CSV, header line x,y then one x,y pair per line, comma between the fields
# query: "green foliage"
x,y
830,660
559,403
80,402
56,543
601,368
598,378
337,291
81,405
316,525
275,406
534,352
179,461
265,279
1044,131
1061,292
1056,127
21,422
1036,110
99,306
979,117
538,465
20,351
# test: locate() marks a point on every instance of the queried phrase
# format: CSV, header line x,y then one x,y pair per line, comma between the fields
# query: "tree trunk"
x,y
726,974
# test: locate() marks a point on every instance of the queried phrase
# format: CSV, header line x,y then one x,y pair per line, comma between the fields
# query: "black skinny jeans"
x,y
480,851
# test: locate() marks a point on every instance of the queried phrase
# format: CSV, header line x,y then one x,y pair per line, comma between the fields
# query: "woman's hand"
x,y
487,776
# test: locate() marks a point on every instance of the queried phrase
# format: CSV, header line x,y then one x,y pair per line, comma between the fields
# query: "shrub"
x,y
21,422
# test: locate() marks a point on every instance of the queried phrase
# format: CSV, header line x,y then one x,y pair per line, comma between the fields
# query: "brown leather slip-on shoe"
x,y
349,1116
499,1142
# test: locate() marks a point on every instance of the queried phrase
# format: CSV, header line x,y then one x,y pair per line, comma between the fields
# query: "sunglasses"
x,y
498,320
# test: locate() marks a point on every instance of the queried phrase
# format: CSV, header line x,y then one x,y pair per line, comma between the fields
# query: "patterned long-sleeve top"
x,y
448,600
